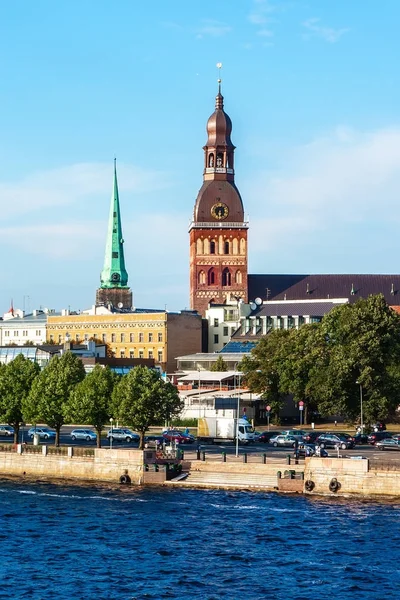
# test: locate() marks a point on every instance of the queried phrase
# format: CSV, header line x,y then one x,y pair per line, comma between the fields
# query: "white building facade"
x,y
19,329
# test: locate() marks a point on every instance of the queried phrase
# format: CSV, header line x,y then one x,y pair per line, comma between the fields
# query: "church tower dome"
x,y
218,232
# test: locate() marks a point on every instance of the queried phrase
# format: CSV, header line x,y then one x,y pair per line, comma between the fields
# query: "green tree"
x,y
142,399
90,400
16,380
219,365
362,347
51,390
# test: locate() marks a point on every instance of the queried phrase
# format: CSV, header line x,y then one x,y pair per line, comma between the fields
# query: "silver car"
x,y
6,430
284,440
123,434
83,434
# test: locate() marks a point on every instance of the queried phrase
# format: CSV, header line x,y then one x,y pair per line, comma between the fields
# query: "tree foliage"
x,y
90,400
51,390
16,380
324,364
142,399
219,365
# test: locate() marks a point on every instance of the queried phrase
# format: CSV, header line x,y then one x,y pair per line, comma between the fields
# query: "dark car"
x,y
334,440
361,438
178,436
311,436
377,436
388,444
379,426
265,436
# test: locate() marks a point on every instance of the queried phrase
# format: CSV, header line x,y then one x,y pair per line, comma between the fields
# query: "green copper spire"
x,y
114,274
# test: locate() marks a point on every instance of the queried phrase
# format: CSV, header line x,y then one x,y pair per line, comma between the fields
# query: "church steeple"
x,y
114,273
114,277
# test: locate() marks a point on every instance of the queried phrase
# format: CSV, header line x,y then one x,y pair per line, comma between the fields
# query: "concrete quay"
x,y
321,476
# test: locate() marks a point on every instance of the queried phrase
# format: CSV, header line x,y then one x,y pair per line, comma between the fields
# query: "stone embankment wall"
x,y
106,465
355,476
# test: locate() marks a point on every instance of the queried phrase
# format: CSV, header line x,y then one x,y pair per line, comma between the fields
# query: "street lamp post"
x,y
237,412
111,433
361,410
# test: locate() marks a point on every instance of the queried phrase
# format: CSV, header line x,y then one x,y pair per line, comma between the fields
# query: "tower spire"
x,y
114,274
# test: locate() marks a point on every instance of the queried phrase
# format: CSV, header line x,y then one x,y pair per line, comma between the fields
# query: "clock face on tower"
x,y
115,277
220,211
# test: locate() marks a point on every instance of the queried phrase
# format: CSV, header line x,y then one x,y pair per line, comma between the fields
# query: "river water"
x,y
105,543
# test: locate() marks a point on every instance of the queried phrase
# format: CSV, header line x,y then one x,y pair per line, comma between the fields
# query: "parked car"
x,y
284,440
388,444
377,436
306,449
43,432
297,433
172,435
311,436
361,438
266,436
83,434
125,435
379,426
6,430
333,440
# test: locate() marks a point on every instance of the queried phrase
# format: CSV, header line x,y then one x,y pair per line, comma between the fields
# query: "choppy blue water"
x,y
95,543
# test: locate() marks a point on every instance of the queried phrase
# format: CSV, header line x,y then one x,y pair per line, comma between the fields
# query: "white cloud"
x,y
316,29
70,184
337,194
210,28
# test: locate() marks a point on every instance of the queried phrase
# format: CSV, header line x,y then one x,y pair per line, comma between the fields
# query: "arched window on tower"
x,y
212,247
199,246
211,160
211,277
235,246
226,277
226,247
202,278
206,246
242,246
220,159
238,277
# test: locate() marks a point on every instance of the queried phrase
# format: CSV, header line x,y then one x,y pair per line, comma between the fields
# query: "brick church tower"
x,y
218,232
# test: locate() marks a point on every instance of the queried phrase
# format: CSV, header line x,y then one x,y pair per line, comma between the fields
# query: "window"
x,y
115,254
211,160
212,247
131,354
150,337
216,322
238,277
202,278
160,356
226,331
211,277
301,320
15,333
51,338
141,337
131,337
122,354
141,354
78,337
7,334
113,337
160,337
38,333
151,354
226,277
86,336
122,337
104,338
226,248
60,339
216,339
25,333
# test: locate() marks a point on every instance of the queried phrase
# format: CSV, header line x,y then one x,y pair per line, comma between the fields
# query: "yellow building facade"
x,y
159,335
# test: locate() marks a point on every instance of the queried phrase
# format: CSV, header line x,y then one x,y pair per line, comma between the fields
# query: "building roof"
x,y
297,287
209,376
238,346
288,309
234,356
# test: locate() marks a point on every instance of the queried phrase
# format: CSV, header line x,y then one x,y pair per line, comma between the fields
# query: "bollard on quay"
x,y
245,457
224,457
198,453
203,456
264,459
288,459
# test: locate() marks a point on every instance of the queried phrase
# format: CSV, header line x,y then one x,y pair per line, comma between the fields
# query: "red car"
x,y
178,436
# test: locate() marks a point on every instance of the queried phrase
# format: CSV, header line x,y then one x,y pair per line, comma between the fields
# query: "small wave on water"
x,y
64,541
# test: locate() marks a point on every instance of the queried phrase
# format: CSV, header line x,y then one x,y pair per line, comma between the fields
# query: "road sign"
x,y
301,403
267,408
301,407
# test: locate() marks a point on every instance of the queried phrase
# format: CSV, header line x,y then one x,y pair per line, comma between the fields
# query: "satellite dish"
x,y
258,301
120,305
253,305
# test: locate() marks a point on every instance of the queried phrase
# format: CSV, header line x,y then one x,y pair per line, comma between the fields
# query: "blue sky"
x,y
312,89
